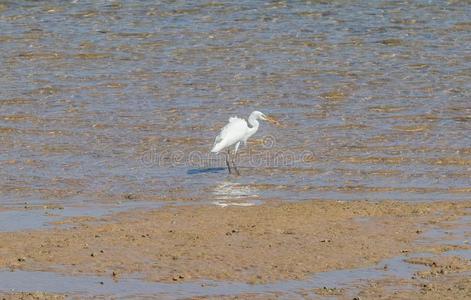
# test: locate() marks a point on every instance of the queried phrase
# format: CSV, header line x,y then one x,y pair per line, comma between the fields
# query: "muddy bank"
x,y
31,296
445,278
249,244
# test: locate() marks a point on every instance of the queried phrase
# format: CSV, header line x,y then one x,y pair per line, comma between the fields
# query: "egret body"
x,y
236,131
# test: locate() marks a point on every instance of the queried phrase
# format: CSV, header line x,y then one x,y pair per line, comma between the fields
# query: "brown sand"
x,y
251,244
255,244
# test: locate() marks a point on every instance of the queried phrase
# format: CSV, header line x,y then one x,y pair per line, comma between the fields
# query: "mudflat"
x,y
258,244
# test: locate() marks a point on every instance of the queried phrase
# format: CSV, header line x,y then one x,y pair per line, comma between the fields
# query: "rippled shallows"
x,y
105,101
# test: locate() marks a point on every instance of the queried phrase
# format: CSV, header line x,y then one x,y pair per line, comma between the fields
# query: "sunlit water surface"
x,y
115,101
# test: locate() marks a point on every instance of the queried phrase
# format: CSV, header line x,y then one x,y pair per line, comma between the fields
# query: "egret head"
x,y
259,115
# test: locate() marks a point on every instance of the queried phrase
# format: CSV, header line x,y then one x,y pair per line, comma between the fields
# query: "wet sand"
x,y
260,244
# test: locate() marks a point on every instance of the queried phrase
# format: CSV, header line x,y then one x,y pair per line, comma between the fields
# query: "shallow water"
x,y
459,233
102,99
44,217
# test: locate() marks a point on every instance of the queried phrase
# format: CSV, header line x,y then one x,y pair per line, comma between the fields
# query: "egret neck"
x,y
253,122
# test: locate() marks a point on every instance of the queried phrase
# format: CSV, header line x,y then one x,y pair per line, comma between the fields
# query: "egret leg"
x,y
234,158
227,161
236,148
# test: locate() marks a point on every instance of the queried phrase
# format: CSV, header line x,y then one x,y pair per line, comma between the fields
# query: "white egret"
x,y
235,132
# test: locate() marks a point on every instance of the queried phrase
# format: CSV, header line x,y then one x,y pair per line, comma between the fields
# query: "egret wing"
x,y
233,132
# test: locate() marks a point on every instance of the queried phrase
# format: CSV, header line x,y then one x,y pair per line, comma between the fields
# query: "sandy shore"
x,y
258,244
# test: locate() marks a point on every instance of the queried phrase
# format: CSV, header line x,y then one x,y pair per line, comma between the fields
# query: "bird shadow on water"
x,y
205,170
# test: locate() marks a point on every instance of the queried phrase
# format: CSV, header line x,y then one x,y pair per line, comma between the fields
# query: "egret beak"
x,y
272,120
